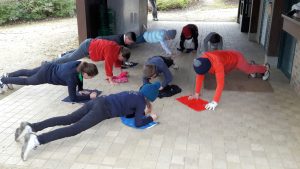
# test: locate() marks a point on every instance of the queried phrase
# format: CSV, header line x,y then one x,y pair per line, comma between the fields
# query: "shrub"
x,y
27,10
172,4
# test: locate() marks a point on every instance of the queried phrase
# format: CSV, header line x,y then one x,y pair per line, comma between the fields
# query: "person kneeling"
x,y
155,66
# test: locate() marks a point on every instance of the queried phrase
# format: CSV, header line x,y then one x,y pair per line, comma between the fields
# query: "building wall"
x,y
295,79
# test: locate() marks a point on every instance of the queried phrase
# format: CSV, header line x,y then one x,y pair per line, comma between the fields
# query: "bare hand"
x,y
93,95
112,83
154,116
110,80
195,96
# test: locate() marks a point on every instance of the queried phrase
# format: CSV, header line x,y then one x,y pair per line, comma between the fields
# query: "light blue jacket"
x,y
156,36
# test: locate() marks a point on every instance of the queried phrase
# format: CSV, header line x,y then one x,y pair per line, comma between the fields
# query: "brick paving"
x,y
247,131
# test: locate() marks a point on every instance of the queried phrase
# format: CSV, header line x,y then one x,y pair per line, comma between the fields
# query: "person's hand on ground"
x,y
93,95
194,96
110,80
154,116
211,106
112,83
148,108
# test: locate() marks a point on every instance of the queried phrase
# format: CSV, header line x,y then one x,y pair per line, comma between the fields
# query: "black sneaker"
x,y
128,65
179,49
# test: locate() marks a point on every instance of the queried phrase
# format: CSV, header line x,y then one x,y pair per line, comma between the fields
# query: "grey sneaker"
x,y
22,131
266,75
1,85
9,86
30,143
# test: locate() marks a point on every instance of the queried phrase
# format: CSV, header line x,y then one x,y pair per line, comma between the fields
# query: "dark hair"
x,y
215,38
88,68
125,52
131,36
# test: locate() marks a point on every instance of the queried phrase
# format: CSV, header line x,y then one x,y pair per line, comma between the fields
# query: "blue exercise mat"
x,y
130,123
67,99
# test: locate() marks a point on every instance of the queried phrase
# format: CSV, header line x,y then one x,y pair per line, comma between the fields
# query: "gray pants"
x,y
79,53
154,8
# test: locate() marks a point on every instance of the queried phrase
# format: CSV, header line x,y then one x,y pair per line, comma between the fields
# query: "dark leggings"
x,y
168,61
154,8
80,120
77,54
32,77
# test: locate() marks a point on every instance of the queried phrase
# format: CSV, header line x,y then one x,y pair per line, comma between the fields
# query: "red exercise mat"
x,y
196,104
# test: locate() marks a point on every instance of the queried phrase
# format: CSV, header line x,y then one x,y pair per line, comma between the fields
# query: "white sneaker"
x,y
30,143
22,131
266,75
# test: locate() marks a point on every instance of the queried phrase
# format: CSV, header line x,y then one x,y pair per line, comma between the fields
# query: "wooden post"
x,y
81,20
275,29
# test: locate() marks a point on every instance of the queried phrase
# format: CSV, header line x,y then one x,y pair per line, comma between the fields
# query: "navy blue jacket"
x,y
161,67
66,75
119,39
128,103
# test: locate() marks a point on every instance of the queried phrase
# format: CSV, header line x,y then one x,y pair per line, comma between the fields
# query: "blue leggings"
x,y
80,120
32,77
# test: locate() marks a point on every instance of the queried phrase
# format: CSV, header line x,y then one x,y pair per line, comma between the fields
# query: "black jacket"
x,y
195,34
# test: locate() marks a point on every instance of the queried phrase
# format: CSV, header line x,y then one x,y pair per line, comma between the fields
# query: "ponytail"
x,y
125,52
88,68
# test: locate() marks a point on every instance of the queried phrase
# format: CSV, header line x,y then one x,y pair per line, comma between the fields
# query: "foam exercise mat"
x,y
195,104
130,123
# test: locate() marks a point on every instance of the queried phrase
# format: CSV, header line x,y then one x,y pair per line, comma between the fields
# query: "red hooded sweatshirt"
x,y
106,50
222,62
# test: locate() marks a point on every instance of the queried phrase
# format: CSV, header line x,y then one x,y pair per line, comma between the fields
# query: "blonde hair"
x,y
149,71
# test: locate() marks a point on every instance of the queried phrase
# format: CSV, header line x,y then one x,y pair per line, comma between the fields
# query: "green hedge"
x,y
27,10
172,4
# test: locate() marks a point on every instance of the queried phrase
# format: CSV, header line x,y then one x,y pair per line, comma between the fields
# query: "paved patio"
x,y
248,130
